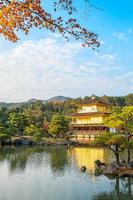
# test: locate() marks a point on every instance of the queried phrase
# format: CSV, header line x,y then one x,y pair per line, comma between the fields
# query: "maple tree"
x,y
22,15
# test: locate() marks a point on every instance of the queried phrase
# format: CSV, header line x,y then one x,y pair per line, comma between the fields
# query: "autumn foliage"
x,y
16,15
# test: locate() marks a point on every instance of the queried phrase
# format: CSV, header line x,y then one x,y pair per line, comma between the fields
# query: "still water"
x,y
53,173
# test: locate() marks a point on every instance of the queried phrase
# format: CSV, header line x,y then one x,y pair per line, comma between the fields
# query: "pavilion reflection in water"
x,y
86,156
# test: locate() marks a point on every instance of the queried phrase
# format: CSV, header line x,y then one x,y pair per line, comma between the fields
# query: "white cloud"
x,y
49,67
121,36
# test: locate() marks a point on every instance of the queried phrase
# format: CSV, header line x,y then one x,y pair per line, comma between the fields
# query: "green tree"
x,y
4,133
38,136
34,131
129,100
3,114
122,121
31,130
34,113
112,141
59,125
17,122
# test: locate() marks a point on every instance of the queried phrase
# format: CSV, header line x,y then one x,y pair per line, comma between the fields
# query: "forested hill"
x,y
56,99
61,100
39,119
126,100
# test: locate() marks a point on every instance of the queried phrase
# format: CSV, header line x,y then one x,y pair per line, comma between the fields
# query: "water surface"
x,y
53,173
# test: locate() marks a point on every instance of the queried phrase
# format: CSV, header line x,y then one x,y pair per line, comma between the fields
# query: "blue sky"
x,y
42,65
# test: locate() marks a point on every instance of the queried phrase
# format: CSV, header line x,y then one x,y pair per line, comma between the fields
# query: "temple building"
x,y
89,120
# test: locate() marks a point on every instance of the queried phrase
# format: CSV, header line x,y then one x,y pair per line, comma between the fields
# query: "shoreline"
x,y
30,141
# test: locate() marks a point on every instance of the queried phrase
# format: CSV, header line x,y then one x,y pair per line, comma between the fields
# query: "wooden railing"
x,y
79,124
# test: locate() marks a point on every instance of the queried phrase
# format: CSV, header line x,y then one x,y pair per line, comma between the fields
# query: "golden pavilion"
x,y
89,120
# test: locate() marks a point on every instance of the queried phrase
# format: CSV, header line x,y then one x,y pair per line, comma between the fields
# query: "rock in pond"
x,y
83,169
99,164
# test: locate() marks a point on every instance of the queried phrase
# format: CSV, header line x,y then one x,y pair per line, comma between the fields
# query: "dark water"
x,y
42,173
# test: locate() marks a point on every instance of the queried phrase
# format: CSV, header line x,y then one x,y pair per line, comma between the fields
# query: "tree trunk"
x,y
128,152
128,155
117,154
117,158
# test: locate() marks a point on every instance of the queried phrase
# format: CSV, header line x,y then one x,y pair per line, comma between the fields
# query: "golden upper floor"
x,y
94,107
86,120
91,113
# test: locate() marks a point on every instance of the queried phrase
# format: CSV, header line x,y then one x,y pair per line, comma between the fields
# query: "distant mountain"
x,y
11,105
58,99
113,100
55,99
32,100
4,104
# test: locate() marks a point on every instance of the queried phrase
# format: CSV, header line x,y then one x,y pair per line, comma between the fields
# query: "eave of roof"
x,y
90,114
88,125
93,103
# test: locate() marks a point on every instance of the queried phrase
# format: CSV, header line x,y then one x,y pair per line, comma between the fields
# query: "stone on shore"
x,y
114,169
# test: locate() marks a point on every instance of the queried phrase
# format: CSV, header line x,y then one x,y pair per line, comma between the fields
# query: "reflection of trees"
x,y
58,158
18,157
14,157
122,191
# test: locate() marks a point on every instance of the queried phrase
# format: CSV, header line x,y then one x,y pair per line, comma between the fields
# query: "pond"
x,y
53,173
